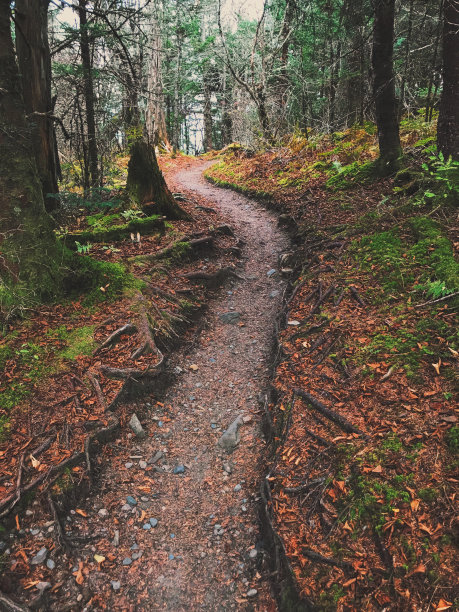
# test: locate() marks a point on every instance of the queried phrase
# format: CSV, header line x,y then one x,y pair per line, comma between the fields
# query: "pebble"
x,y
171,557
230,317
50,564
142,465
40,557
131,501
179,469
271,272
253,553
43,586
274,294
127,561
29,512
137,555
135,547
128,465
34,532
156,457
237,488
116,538
227,468
126,507
103,512
153,522
116,585
146,526
252,593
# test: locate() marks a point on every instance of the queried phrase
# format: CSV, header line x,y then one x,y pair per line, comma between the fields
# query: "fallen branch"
x,y
315,556
304,487
60,535
442,299
43,446
338,419
323,298
356,296
127,330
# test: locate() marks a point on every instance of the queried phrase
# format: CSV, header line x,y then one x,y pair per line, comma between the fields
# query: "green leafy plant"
x,y
83,249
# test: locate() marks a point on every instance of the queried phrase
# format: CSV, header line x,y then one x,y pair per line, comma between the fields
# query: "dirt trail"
x,y
198,556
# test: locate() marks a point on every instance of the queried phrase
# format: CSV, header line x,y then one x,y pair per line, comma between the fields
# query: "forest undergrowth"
x,y
362,485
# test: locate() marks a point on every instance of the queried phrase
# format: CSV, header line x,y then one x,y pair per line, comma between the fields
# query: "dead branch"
x,y
338,419
323,298
43,446
164,294
318,438
315,556
304,487
87,443
442,299
356,296
127,329
340,296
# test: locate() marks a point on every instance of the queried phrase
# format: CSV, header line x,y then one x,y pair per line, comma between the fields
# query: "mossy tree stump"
x,y
146,186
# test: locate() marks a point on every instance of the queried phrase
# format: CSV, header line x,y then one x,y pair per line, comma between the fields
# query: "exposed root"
x,y
127,329
61,538
98,390
216,279
8,605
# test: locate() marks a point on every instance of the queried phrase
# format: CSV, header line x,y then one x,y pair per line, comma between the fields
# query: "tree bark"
x,y
207,111
88,94
384,85
28,248
155,117
35,69
448,119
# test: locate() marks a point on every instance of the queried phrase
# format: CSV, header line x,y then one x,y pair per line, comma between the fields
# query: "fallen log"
x,y
338,419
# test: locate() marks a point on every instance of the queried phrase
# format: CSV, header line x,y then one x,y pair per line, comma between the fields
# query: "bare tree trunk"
x,y
155,117
448,119
35,69
88,94
384,85
207,111
28,248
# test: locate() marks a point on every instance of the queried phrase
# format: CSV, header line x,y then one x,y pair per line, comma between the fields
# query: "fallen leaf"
x,y
420,569
443,605
377,470
81,512
79,577
193,367
349,582
99,558
436,367
415,504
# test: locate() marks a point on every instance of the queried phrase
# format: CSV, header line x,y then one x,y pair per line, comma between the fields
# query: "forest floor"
x,y
171,521
362,490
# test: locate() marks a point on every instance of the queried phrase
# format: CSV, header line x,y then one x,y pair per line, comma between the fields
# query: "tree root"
x,y
8,605
61,538
304,487
216,279
54,471
127,329
338,419
356,296
323,298
129,373
98,390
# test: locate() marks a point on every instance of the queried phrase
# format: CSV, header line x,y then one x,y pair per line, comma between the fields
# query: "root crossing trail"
x,y
205,552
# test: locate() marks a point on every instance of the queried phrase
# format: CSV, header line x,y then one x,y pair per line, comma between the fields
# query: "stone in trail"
x,y
40,557
136,427
230,318
231,436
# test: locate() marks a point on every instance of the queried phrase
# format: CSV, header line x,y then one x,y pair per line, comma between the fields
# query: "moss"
x,y
5,354
352,174
115,233
452,439
79,341
428,495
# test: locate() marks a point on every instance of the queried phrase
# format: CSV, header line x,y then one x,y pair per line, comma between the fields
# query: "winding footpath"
x,y
205,551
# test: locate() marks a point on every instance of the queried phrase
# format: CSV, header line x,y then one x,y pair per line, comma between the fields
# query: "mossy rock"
x,y
408,181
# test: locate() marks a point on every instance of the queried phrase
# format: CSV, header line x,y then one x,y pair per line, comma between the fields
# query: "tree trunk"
x,y
448,119
88,94
155,117
227,127
35,69
207,111
146,185
384,85
29,267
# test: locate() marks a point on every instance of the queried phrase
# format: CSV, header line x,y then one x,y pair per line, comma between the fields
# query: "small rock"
x,y
293,323
135,547
146,526
126,508
178,370
274,293
34,532
116,585
247,418
179,469
136,427
103,512
253,553
156,457
193,367
237,488
171,557
231,437
136,556
128,465
142,465
50,564
43,586
227,468
271,272
116,538
127,561
252,593
153,522
230,318
131,501
40,557
29,512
